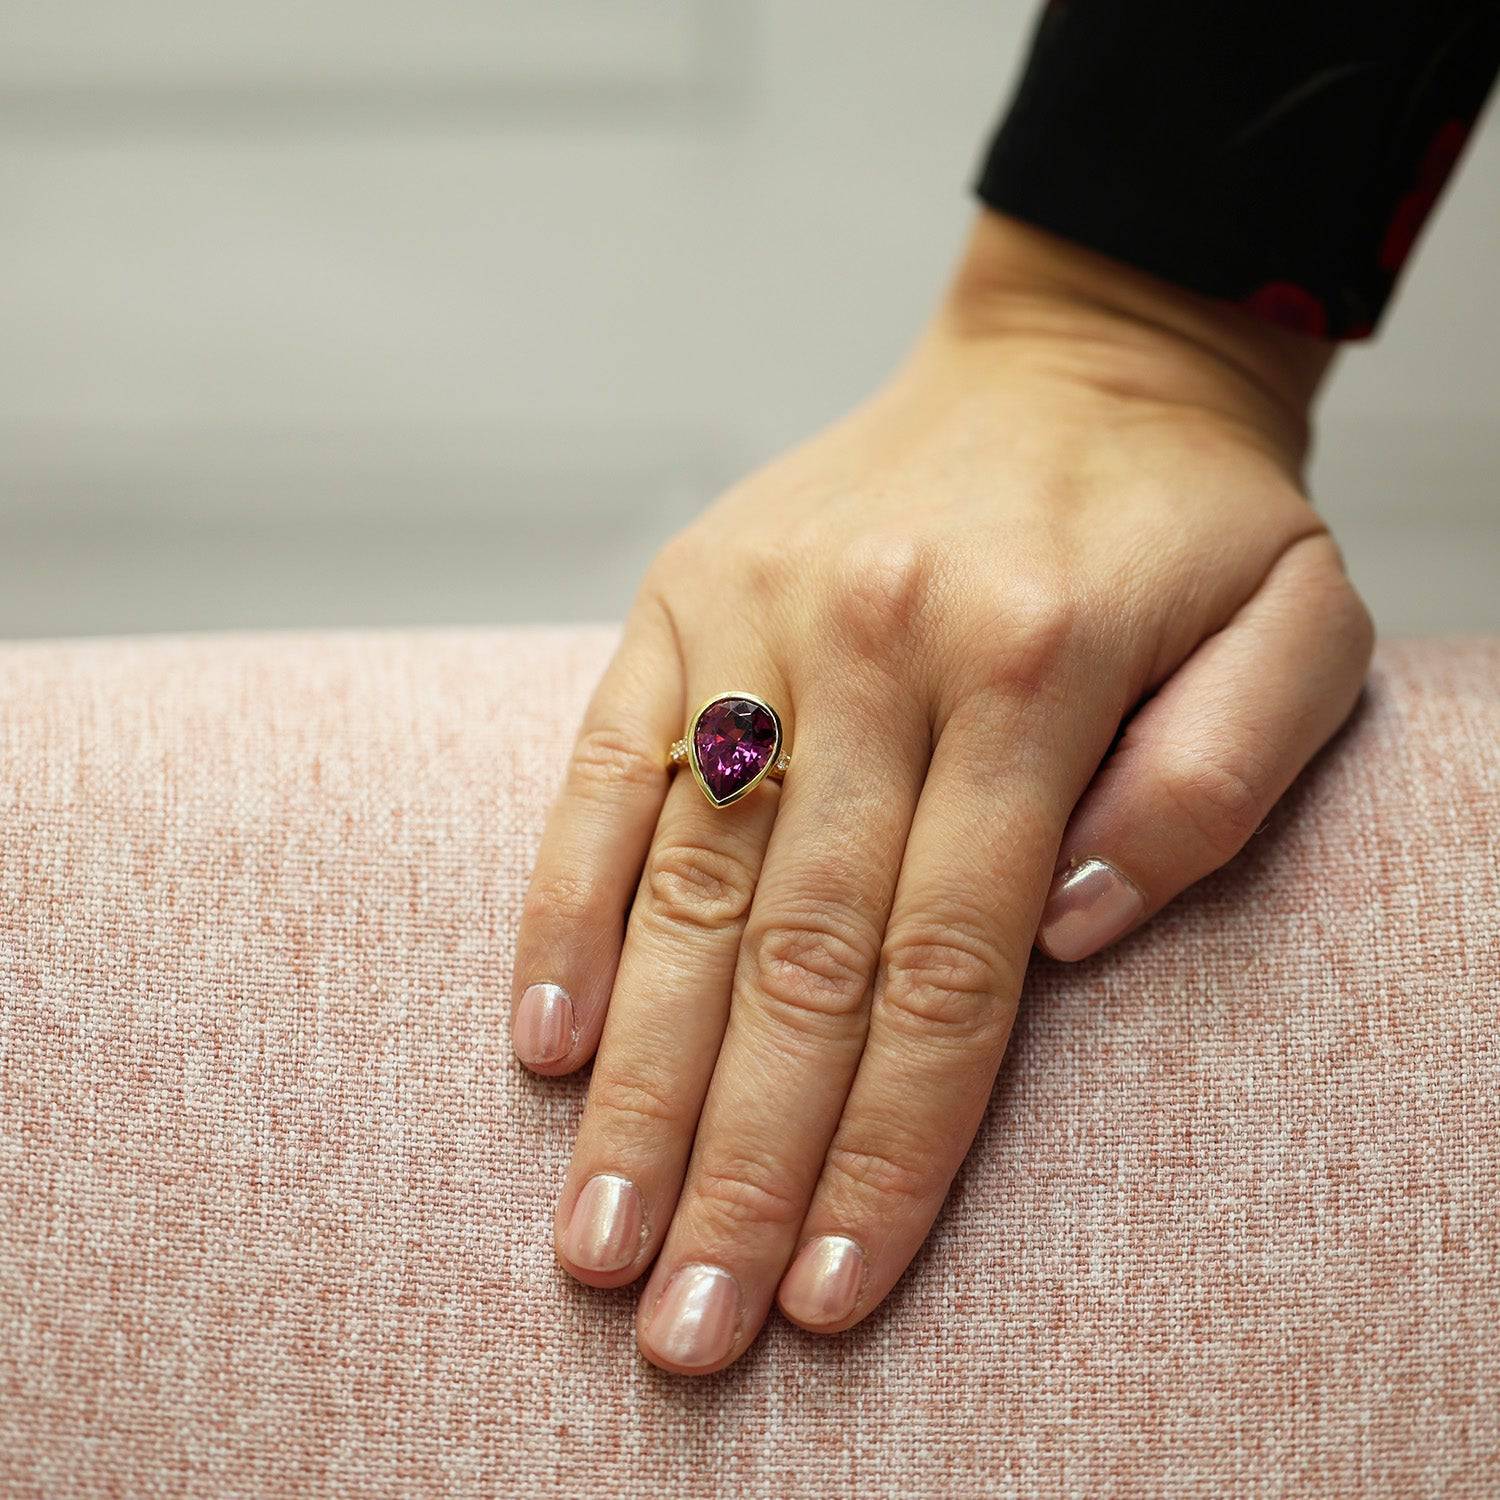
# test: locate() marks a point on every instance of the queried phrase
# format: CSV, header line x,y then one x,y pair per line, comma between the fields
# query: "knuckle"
x,y
1351,620
763,569
942,979
747,1190
1344,618
877,594
1027,643
681,552
1220,797
693,885
768,568
607,760
637,1101
1362,631
880,1172
566,899
1044,624
811,970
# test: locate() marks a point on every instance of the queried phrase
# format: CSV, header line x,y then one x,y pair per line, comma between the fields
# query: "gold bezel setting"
x,y
776,762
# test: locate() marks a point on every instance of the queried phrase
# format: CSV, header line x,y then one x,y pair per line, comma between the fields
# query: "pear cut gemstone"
x,y
733,742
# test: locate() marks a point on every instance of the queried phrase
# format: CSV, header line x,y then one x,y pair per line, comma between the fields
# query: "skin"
x,y
1076,509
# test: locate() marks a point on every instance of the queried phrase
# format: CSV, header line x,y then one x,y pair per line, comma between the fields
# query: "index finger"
x,y
593,847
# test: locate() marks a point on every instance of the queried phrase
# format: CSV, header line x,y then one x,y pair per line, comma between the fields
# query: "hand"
x,y
1075,507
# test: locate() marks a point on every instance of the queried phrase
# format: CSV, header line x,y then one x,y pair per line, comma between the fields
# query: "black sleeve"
x,y
1280,153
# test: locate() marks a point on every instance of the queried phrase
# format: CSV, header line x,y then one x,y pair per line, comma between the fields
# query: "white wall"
x,y
397,311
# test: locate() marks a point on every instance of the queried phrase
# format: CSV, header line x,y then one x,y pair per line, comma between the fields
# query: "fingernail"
x,y
542,1031
1090,905
694,1322
823,1283
604,1233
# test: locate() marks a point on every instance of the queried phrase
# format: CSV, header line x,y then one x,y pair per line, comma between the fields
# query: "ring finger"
x,y
667,1014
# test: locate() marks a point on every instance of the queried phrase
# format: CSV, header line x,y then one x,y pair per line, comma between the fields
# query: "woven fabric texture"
x,y
275,1200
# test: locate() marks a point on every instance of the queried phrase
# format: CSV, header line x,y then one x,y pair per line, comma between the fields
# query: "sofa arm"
x,y
275,1201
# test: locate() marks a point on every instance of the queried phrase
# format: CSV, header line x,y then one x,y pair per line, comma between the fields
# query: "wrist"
x,y
1114,326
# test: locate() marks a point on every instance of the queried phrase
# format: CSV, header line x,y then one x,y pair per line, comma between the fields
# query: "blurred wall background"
x,y
427,311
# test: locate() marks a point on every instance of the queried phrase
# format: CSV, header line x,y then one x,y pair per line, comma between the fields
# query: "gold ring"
x,y
732,744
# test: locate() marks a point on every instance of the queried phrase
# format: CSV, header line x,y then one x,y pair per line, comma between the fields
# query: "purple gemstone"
x,y
732,744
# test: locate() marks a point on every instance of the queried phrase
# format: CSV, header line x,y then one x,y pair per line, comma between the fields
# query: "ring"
x,y
732,744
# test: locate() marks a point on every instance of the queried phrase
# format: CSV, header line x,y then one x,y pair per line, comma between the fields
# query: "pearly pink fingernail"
x,y
1090,905
604,1233
823,1283
542,1030
694,1322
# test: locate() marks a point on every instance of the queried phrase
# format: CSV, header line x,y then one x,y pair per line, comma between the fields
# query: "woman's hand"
x,y
1076,507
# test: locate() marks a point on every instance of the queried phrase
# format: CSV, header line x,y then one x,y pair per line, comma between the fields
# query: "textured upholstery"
x,y
276,1199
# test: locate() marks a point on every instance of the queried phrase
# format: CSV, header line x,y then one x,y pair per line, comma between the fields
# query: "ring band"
x,y
732,744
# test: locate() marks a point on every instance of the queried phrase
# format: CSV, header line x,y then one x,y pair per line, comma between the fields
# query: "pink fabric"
x,y
277,1201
